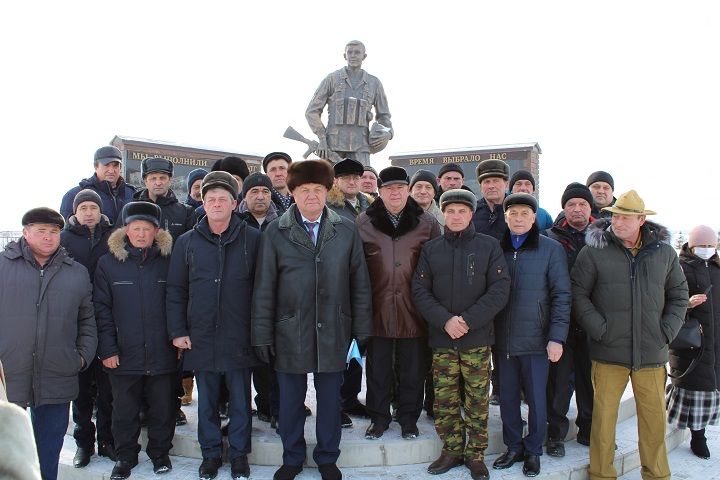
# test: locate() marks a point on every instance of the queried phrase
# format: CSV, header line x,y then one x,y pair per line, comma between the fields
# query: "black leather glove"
x,y
264,352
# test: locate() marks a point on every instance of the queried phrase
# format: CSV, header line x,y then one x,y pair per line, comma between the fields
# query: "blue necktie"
x,y
311,230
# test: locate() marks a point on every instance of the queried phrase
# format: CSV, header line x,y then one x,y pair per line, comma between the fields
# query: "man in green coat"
x,y
630,296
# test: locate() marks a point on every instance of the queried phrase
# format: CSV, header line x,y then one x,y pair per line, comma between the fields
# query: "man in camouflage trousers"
x,y
461,282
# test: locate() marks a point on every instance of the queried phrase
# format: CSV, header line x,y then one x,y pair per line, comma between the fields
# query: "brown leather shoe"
x,y
478,470
444,463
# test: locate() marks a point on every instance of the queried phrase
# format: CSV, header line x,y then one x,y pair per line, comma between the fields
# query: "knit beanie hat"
x,y
521,175
576,190
194,176
86,195
256,179
600,176
702,235
451,167
424,176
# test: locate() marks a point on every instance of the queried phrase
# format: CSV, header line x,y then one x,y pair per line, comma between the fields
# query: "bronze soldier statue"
x,y
350,93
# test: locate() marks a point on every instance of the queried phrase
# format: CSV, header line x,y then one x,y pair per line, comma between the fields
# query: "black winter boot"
x,y
698,444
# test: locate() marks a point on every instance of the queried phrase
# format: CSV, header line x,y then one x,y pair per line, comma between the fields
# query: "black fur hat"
x,y
520,199
310,171
348,166
147,211
393,175
233,166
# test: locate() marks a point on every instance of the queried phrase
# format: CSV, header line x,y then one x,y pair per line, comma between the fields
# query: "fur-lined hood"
x,y
599,234
117,244
336,197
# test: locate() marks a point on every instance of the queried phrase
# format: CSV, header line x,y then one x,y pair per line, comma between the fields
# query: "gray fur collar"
x,y
336,197
117,243
598,234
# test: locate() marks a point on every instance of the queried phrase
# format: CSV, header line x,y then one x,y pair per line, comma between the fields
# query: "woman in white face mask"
x,y
694,400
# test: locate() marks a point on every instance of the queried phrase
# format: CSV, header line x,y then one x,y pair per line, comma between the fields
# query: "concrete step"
x,y
572,467
356,451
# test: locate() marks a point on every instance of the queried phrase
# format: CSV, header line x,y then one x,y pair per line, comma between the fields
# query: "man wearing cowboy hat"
x,y
630,296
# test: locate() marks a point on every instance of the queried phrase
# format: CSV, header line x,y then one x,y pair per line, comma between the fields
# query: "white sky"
x,y
628,87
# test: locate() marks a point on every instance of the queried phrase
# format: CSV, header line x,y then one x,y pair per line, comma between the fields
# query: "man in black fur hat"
x,y
129,298
394,230
309,329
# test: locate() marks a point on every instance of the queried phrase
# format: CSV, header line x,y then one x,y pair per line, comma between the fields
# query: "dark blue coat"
x,y
129,298
540,296
84,246
210,288
113,200
175,217
490,222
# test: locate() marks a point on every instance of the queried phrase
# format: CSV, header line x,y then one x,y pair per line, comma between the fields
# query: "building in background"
x,y
185,158
7,237
525,156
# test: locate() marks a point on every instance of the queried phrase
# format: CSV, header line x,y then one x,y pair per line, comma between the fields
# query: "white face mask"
x,y
704,252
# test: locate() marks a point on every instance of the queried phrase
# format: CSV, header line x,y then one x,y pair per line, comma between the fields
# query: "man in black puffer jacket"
x,y
461,282
530,331
129,294
177,218
569,231
85,238
210,287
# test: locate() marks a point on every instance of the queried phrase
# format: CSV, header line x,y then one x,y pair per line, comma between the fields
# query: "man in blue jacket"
x,y
129,293
523,181
530,330
106,182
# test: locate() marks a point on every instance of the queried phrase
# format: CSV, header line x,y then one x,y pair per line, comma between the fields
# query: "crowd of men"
x,y
124,297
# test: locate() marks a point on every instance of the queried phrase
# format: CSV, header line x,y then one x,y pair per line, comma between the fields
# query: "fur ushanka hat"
x,y
310,171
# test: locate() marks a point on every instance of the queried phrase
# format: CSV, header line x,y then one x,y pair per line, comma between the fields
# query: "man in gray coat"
x,y
48,326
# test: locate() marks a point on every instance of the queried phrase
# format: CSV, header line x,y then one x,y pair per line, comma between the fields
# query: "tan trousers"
x,y
609,382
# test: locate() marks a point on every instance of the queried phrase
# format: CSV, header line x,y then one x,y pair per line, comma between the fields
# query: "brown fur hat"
x,y
310,171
